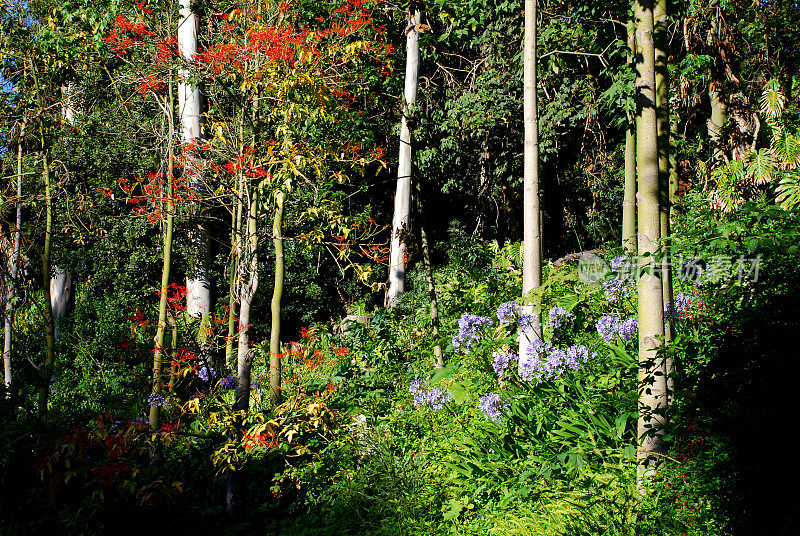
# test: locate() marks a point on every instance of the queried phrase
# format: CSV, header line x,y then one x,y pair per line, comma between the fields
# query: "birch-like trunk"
x,y
402,197
15,260
198,285
532,235
629,197
47,369
661,42
166,267
277,294
651,378
248,285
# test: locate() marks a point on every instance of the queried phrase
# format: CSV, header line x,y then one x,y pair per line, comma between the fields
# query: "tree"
x,y
652,381
532,227
402,198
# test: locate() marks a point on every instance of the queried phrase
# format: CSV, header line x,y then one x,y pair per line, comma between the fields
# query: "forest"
x,y
370,267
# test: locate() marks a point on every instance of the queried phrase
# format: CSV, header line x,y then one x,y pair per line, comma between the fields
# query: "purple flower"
x,y
629,329
207,373
229,382
470,328
435,398
502,360
507,312
618,289
681,306
529,323
621,263
607,326
578,354
492,406
560,318
157,399
530,365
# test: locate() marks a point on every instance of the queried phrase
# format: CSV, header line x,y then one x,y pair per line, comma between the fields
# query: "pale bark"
x,y
277,294
47,369
248,285
651,378
61,295
15,260
663,132
166,267
532,237
629,197
402,198
198,285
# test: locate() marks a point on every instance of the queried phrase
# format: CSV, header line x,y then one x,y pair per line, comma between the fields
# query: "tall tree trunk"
x,y
236,223
277,293
248,274
484,194
198,284
652,385
661,41
158,351
438,359
532,235
719,109
15,259
629,198
402,197
47,369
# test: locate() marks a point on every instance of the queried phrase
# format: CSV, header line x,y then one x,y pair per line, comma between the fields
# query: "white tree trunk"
x,y
61,295
198,286
532,230
402,198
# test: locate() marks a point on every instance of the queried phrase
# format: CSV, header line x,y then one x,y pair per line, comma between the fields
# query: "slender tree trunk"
x,y
277,293
661,41
47,370
11,291
532,224
236,222
629,198
652,384
438,359
719,109
248,288
198,284
402,198
158,352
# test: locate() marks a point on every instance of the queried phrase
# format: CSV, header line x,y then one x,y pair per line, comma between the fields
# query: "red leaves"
x,y
151,83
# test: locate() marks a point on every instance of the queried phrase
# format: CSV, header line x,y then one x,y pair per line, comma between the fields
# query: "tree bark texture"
x,y
651,378
11,290
277,294
629,196
47,369
532,236
402,197
248,285
198,285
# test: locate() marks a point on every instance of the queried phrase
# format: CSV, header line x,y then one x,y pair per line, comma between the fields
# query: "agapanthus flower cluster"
x,y
470,328
529,323
157,399
502,361
545,361
507,312
207,373
560,318
425,396
682,306
535,353
229,382
492,406
609,325
619,288
621,263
